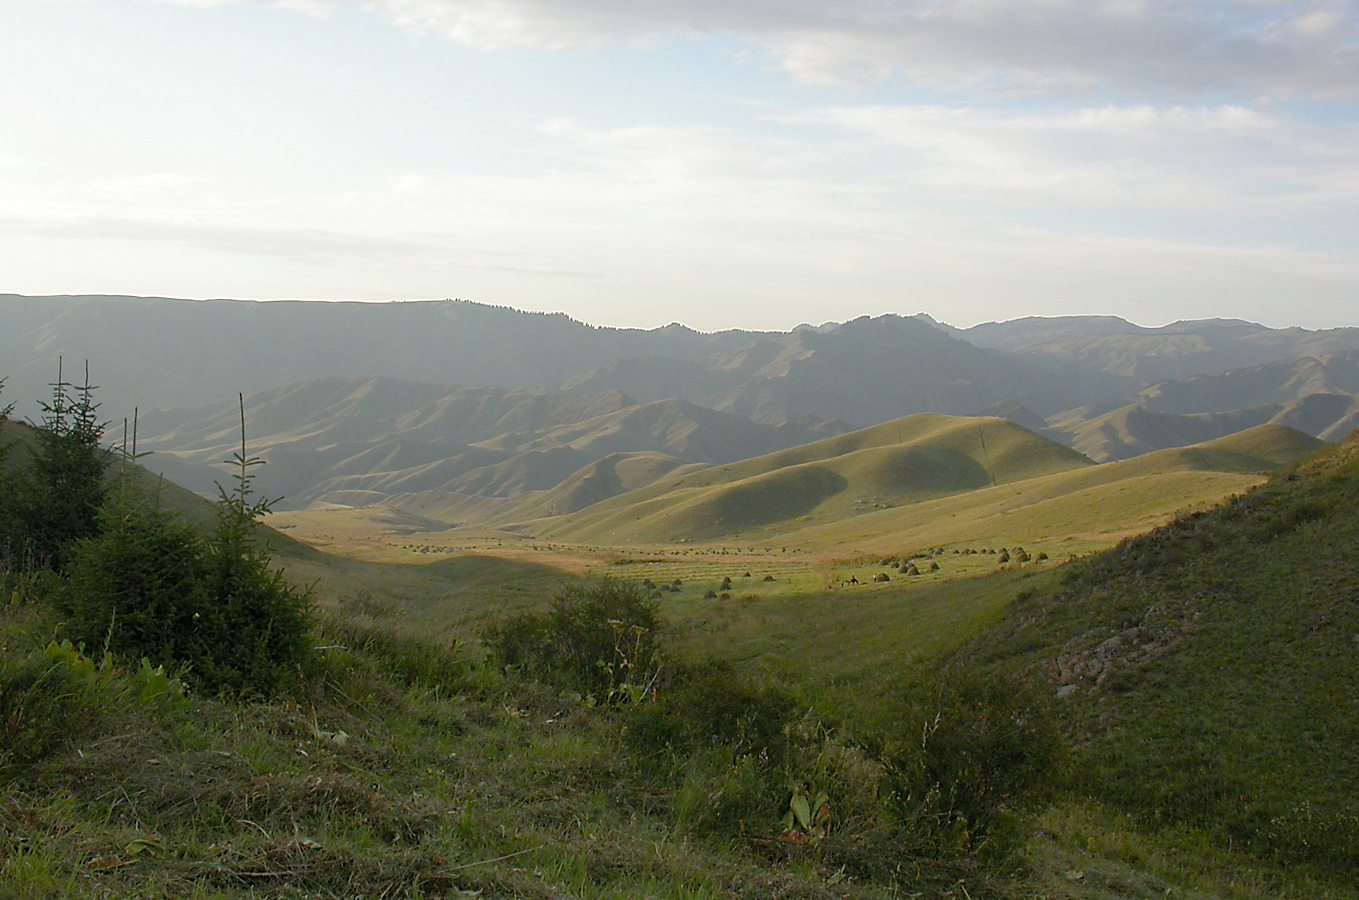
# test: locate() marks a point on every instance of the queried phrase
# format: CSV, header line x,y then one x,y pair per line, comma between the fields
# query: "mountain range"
x,y
451,406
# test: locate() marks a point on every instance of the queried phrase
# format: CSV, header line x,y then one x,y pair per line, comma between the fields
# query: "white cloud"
x,y
1183,163
1266,48
1278,49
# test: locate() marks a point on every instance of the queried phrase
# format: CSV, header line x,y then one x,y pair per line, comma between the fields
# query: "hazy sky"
x,y
721,163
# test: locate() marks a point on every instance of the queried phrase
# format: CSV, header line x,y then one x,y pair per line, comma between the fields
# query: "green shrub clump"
x,y
969,751
599,640
702,706
147,585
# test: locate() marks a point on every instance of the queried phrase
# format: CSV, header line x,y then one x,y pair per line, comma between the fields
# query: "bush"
x,y
149,586
720,792
710,705
969,751
599,640
139,590
264,621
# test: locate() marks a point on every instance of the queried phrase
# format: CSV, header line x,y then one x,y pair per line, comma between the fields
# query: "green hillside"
x,y
1279,383
367,440
1075,510
617,473
1314,395
905,461
1209,668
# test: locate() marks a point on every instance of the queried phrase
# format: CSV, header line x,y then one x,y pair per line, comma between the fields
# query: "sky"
x,y
635,162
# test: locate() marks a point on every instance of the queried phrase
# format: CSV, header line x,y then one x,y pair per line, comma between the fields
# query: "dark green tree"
x,y
138,590
62,487
149,586
264,621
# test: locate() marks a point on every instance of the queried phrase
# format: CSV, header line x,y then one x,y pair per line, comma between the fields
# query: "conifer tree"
x,y
264,620
148,585
62,488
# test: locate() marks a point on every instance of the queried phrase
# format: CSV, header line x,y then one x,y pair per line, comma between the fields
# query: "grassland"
x,y
1209,669
409,767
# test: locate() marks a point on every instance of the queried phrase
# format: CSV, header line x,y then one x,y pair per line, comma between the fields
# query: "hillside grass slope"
x,y
928,481
1210,668
905,461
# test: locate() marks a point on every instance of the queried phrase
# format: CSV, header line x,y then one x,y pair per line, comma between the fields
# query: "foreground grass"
x,y
397,771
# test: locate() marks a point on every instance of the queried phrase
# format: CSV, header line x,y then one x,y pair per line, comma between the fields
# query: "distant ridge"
x,y
341,439
158,353
1319,396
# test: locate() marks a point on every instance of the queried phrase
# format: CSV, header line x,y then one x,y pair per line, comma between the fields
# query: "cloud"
x,y
1278,49
1183,163
310,245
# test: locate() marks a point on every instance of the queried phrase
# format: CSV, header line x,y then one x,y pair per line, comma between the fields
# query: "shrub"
x,y
149,586
139,590
264,621
969,751
413,662
719,792
709,704
599,639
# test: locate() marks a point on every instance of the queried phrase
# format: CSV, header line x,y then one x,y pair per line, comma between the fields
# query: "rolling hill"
x,y
1209,672
365,440
935,481
1319,396
1077,510
1281,383
905,461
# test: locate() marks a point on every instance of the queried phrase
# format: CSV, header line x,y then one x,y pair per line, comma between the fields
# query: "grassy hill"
x,y
1072,511
1132,430
1280,383
617,473
1209,668
906,461
1319,396
362,440
1206,676
934,480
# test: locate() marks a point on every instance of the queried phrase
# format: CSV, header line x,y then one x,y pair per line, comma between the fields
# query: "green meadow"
x,y
805,604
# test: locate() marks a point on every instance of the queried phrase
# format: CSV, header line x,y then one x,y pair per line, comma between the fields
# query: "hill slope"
x,y
906,461
1319,396
366,440
1281,383
1210,667
1076,510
